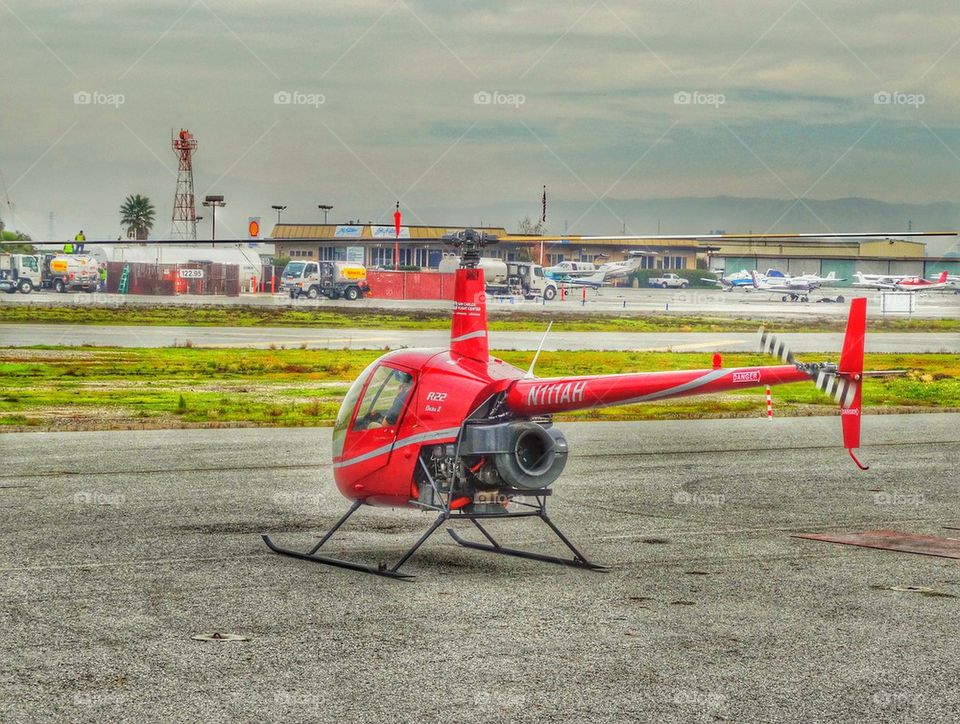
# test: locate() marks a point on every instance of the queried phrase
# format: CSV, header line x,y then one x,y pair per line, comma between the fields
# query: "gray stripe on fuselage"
x,y
691,385
469,335
403,442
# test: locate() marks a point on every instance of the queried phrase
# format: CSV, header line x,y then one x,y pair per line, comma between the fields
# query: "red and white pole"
x,y
769,404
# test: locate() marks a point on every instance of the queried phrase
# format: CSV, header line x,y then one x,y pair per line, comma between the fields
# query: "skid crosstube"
x,y
578,560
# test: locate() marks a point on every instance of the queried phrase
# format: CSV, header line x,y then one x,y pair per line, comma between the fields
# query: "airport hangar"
x,y
813,255
423,246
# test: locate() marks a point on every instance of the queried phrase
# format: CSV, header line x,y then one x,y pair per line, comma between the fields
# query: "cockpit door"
x,y
376,419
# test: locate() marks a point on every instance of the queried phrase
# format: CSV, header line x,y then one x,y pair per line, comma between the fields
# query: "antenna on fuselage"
x,y
536,355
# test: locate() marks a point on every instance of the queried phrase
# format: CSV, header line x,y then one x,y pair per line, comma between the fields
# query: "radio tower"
x,y
184,209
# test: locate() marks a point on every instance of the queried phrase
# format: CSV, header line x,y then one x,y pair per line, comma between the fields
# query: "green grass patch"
x,y
107,388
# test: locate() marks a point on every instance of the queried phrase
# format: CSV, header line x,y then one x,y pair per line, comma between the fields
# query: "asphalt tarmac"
x,y
24,335
118,547
609,300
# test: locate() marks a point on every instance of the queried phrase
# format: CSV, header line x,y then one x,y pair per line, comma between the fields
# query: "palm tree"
x,y
136,214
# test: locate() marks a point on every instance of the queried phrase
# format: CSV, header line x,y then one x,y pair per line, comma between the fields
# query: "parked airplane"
x,y
737,280
743,279
570,269
793,288
621,269
900,283
594,281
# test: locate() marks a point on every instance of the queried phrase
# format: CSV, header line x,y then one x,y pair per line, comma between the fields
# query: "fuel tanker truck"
x,y
70,272
332,279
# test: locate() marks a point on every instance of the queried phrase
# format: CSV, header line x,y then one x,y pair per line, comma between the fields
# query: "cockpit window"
x,y
384,400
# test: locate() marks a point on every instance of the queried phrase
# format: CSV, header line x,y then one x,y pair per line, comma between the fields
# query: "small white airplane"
x,y
793,288
622,269
830,278
570,270
737,280
594,281
582,273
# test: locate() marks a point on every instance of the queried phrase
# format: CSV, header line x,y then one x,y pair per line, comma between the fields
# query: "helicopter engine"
x,y
496,461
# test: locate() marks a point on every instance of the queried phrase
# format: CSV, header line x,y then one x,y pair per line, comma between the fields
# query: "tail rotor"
x,y
840,381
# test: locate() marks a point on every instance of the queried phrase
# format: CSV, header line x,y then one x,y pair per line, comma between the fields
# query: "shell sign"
x,y
253,227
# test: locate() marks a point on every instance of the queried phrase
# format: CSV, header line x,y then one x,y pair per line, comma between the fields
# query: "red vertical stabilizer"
x,y
468,333
851,368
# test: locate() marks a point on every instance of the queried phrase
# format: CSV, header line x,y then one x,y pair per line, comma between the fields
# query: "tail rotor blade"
x,y
770,344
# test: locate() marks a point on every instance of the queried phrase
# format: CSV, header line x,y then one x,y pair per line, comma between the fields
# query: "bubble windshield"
x,y
346,409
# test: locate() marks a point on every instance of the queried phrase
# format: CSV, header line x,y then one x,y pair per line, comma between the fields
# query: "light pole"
x,y
214,202
279,209
325,208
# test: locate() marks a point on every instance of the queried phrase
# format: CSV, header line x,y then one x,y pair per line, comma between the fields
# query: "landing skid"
x,y
578,560
382,569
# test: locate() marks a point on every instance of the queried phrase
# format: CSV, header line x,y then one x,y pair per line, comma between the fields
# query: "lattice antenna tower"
x,y
184,225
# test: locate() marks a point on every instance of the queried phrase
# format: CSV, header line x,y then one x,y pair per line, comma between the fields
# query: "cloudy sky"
x,y
462,111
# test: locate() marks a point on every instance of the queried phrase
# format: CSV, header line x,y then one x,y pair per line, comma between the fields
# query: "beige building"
x,y
423,246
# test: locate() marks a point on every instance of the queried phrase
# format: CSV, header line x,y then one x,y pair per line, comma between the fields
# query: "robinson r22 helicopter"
x,y
469,437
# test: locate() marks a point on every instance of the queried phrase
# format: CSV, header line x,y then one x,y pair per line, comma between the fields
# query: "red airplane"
x,y
919,283
468,436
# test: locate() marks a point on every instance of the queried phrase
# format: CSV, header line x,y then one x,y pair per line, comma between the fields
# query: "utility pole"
x,y
214,202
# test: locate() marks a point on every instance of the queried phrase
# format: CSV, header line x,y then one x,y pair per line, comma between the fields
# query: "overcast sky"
x,y
601,101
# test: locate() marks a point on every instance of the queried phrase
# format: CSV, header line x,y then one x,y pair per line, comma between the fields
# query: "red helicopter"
x,y
469,437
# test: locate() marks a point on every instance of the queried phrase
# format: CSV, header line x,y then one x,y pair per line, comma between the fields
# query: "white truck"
x,y
19,273
332,279
523,278
669,281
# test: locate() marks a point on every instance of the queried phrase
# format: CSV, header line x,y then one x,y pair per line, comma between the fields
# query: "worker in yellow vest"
x,y
79,239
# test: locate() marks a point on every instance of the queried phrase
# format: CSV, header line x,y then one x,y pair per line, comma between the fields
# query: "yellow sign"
x,y
353,273
58,265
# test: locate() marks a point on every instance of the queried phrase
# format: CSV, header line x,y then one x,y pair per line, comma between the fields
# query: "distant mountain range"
x,y
693,215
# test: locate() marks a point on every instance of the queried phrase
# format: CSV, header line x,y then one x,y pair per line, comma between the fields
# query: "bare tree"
x,y
526,226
